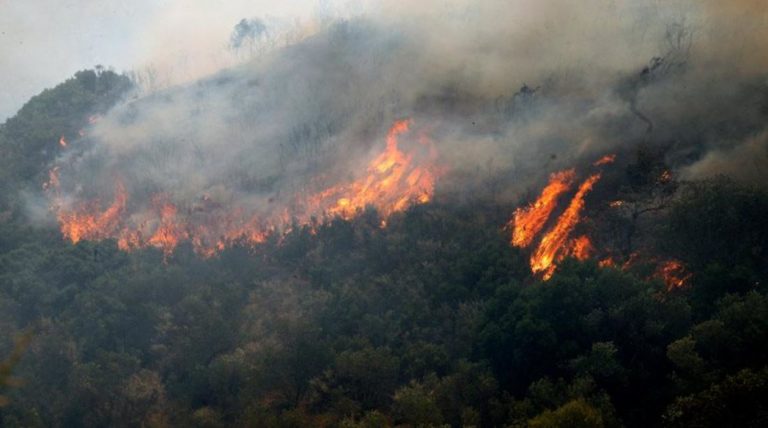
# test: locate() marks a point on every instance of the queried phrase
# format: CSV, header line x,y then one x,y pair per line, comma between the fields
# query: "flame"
x,y
529,221
606,262
556,243
605,160
393,181
673,273
87,222
581,248
552,245
170,230
62,141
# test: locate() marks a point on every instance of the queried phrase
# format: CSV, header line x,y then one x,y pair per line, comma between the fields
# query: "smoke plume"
x,y
504,92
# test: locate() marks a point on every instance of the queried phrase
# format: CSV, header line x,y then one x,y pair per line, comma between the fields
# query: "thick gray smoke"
x,y
508,92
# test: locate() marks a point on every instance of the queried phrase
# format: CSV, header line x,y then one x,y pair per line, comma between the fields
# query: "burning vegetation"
x,y
557,242
393,181
527,222
333,234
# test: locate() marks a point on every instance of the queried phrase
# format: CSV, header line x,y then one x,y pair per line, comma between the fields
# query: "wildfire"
x,y
552,245
606,262
556,243
673,273
581,248
89,222
529,221
170,229
393,181
62,141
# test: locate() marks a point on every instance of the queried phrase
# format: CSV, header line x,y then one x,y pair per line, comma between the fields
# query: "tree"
x,y
737,401
574,414
415,405
7,365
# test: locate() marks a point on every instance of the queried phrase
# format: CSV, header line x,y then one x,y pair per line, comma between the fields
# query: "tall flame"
x,y
552,245
529,221
556,244
170,229
391,184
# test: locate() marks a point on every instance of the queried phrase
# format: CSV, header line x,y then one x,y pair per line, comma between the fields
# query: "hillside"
x,y
389,280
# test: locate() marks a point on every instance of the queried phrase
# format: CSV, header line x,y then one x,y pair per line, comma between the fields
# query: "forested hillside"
x,y
433,320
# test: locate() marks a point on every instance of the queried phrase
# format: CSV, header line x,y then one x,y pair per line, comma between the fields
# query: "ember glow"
x,y
393,181
581,248
605,160
673,273
528,222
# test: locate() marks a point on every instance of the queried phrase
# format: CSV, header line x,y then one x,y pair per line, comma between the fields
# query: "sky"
x,y
43,42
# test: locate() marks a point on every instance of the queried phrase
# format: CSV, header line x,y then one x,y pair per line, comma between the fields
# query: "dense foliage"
x,y
431,321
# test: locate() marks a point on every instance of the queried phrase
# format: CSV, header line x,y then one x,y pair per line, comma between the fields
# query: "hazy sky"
x,y
42,42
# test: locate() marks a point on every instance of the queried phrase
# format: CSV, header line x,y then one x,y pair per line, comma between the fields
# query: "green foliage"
x,y
574,414
7,365
30,139
737,401
717,222
562,328
414,405
734,338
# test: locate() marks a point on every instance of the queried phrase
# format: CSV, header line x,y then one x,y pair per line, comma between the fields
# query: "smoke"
x,y
745,162
508,92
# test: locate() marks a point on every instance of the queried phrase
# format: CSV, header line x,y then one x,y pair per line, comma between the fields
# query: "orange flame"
x,y
606,262
673,273
393,181
529,221
88,223
552,245
605,160
580,248
170,230
62,141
